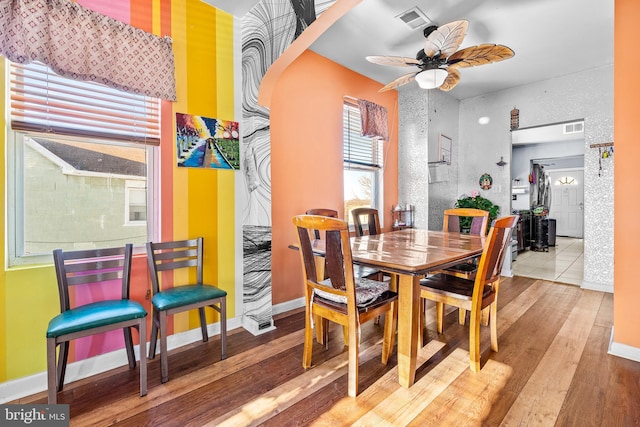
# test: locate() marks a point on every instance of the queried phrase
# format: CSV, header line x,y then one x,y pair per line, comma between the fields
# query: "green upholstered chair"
x,y
94,267
182,254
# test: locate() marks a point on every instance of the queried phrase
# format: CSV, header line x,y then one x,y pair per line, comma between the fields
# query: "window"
x,y
362,165
566,180
80,155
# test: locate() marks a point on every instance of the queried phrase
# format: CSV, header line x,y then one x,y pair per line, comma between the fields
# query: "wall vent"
x,y
575,127
414,18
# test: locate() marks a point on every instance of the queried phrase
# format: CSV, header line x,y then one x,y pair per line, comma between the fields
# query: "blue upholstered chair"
x,y
94,267
182,254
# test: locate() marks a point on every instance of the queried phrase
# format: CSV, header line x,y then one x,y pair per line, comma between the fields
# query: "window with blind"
x,y
362,164
80,158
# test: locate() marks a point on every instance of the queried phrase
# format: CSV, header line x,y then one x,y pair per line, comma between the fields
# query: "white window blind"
x,y
358,150
42,101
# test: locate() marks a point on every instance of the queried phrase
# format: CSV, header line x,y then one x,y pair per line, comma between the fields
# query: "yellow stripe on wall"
x,y
204,198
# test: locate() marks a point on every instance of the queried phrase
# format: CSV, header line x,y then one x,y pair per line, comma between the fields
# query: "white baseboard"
x,y
593,286
26,386
288,306
623,350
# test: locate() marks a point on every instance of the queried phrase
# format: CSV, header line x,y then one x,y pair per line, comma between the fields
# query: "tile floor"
x,y
563,263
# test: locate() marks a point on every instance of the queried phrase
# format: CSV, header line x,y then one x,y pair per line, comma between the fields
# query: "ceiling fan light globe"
x,y
431,79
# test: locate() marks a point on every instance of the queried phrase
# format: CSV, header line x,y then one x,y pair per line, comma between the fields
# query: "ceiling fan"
x,y
440,59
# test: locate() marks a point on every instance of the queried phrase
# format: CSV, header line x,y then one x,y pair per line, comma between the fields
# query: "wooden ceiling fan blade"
x,y
446,39
479,55
402,80
397,61
451,81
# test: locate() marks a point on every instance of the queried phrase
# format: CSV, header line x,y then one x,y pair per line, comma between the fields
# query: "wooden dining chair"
x,y
183,255
372,224
102,270
479,223
474,295
331,213
341,298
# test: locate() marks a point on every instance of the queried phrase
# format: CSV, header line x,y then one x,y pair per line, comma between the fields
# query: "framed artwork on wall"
x,y
204,142
444,149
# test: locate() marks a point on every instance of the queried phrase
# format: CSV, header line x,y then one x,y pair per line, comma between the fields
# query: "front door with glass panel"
x,y
567,201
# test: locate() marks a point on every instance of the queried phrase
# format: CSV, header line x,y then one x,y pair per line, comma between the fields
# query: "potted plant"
x,y
476,201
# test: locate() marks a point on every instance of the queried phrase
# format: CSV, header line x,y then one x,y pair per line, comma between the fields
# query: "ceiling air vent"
x,y
414,18
575,127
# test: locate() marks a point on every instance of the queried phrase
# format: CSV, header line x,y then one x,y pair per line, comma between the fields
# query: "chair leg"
x,y
440,317
142,332
422,320
51,371
485,316
494,326
462,316
128,345
324,327
164,363
389,333
317,321
308,340
203,324
474,341
153,339
62,363
223,328
352,376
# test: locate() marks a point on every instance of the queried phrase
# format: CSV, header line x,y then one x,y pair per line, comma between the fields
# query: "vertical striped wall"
x,y
193,202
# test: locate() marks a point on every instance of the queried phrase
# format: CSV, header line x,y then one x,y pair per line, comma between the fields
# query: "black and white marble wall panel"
x,y
268,29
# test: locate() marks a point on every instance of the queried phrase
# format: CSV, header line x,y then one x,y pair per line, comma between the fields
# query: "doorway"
x,y
556,150
567,201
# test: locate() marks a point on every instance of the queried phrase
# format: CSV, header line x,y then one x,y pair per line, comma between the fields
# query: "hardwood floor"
x,y
552,369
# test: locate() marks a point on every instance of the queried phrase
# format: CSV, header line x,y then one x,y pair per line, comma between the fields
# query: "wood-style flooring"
x,y
552,369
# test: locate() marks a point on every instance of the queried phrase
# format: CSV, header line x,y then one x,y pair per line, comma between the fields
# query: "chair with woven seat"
x,y
372,224
341,298
100,269
181,255
474,295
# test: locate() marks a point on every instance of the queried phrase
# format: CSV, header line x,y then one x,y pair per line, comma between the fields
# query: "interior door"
x,y
567,201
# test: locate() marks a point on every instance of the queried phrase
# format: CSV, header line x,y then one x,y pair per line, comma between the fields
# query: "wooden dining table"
x,y
411,254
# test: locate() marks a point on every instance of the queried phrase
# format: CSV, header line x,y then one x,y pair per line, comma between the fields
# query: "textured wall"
x,y
424,115
587,95
413,126
443,119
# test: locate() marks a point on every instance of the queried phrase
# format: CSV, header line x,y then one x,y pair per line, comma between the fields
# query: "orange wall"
x,y
306,153
626,174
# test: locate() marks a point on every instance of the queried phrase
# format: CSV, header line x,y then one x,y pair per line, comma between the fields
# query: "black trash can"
x,y
551,230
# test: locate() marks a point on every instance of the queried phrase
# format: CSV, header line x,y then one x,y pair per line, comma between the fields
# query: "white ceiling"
x,y
550,38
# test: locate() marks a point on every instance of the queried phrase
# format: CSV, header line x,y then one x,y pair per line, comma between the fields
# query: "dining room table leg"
x,y
408,324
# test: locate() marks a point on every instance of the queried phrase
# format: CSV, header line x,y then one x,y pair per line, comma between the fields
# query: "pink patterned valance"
x,y
79,43
374,120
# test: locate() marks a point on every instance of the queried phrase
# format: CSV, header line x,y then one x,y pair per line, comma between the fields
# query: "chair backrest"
x,y
373,221
104,267
479,220
339,262
497,244
322,212
177,254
